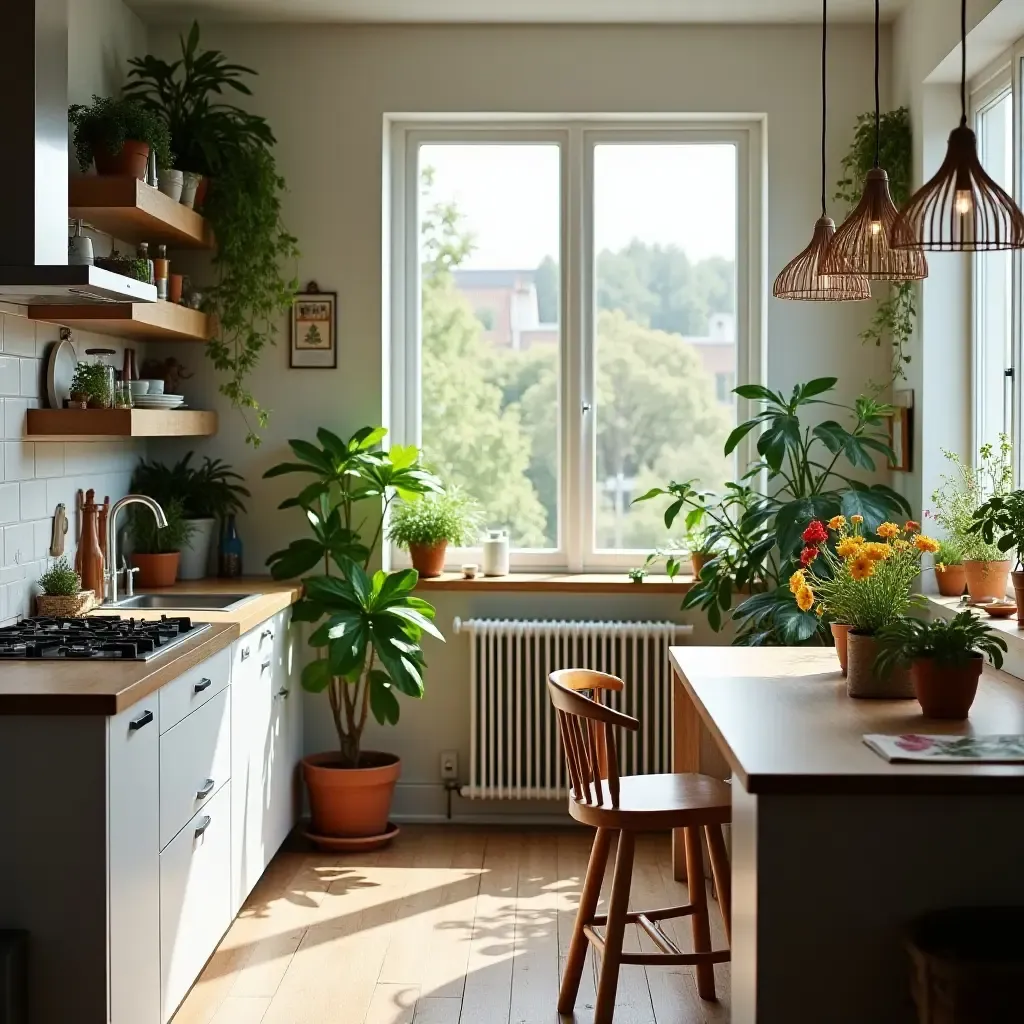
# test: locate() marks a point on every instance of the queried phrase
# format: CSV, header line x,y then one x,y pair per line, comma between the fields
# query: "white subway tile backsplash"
x,y
10,375
31,370
43,533
19,460
33,499
49,458
79,457
46,335
19,336
14,416
19,543
10,507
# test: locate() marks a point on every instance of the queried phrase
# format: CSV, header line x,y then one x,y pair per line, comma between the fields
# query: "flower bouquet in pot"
x,y
426,527
369,628
864,584
945,658
1001,521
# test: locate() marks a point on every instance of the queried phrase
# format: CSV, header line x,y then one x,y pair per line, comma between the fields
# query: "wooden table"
x,y
834,850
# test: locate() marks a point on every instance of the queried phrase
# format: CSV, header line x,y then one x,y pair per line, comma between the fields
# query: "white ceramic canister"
x,y
495,559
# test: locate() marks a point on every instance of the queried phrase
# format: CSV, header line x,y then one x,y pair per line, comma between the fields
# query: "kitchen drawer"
x,y
195,762
195,878
194,688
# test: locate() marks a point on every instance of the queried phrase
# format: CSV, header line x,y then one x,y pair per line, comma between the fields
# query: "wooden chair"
x,y
626,805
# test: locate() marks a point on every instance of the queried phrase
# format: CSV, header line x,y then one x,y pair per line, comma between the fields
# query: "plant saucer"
x,y
999,609
348,844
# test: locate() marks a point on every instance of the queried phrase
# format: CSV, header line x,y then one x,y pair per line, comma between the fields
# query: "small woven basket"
x,y
66,606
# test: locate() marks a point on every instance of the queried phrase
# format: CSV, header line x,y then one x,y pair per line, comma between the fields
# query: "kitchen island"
x,y
835,850
144,799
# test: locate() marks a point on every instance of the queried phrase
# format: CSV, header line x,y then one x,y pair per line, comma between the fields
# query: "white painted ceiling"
x,y
578,11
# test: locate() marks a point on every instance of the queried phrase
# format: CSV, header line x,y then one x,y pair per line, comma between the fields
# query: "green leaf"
x,y
332,590
738,434
298,558
654,492
818,386
413,616
832,435
288,467
316,676
383,702
876,504
793,626
772,446
395,586
793,518
333,444
307,611
311,454
364,439
403,456
671,512
755,392
348,653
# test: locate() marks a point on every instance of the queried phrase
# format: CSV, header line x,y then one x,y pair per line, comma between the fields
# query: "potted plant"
x,y
208,493
1002,517
369,630
866,583
700,542
90,383
945,659
949,569
958,498
127,266
427,526
63,596
155,551
118,134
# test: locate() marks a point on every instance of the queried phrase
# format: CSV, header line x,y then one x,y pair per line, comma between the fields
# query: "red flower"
x,y
808,555
912,526
815,533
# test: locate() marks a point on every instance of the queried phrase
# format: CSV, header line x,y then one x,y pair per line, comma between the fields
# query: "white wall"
x,y
102,36
326,91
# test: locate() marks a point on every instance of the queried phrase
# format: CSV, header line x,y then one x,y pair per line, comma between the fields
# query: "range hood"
x,y
34,178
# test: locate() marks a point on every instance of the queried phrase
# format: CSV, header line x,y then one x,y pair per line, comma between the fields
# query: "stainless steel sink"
x,y
182,602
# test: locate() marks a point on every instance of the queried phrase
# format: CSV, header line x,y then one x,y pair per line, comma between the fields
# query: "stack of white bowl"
x,y
149,394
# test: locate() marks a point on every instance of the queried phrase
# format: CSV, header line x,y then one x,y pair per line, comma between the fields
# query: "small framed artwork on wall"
x,y
901,430
314,334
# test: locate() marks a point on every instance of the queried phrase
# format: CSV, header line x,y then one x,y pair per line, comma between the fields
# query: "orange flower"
x,y
862,567
923,543
805,598
856,520
849,546
888,530
877,552
796,581
837,522
912,526
820,610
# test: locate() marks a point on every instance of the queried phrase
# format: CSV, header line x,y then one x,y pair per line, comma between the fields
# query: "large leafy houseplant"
x,y
211,490
108,123
234,148
759,535
369,627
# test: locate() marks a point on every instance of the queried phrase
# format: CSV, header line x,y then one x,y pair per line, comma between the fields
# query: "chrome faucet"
x,y
112,571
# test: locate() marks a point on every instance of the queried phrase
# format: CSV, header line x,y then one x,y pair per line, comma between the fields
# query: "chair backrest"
x,y
587,729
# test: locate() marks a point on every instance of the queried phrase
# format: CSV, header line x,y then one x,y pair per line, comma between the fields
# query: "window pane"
x,y
994,290
489,246
665,292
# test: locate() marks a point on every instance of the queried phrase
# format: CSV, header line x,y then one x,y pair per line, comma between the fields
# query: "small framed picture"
x,y
901,430
314,334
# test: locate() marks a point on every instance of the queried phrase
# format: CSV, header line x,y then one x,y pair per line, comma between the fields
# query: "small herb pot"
x,y
946,691
156,570
952,581
189,184
862,681
986,580
171,182
132,161
428,559
698,560
840,633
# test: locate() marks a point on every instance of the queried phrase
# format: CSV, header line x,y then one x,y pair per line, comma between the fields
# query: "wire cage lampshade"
x,y
961,209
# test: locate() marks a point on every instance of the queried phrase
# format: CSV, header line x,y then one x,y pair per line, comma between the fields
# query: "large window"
x,y
571,312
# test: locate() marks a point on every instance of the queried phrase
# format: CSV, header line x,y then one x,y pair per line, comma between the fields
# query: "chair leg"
x,y
615,930
721,871
699,919
584,915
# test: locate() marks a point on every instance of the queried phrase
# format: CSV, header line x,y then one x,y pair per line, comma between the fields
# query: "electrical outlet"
x,y
449,765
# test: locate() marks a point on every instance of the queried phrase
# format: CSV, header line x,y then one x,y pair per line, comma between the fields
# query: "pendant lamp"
x,y
961,209
801,278
861,245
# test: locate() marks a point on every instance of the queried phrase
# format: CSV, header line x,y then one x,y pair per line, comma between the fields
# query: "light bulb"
x,y
876,227
963,202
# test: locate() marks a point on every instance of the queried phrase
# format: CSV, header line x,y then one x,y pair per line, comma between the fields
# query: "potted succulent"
x,y
945,659
155,551
427,526
958,498
1001,520
370,628
63,596
208,493
866,583
949,569
118,135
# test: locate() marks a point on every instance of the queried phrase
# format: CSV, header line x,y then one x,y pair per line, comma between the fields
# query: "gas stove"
x,y
101,637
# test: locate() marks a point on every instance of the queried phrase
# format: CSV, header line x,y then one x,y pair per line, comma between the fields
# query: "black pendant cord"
x,y
877,101
963,63
824,94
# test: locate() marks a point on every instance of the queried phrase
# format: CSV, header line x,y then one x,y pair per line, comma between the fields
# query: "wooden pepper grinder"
x,y
92,554
101,526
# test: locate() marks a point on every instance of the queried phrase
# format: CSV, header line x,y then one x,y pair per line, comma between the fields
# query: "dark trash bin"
x,y
968,965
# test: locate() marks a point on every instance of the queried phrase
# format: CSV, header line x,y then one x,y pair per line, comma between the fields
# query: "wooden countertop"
x,y
105,688
783,721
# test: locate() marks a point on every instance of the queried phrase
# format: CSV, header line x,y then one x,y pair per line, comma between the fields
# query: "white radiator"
x,y
514,751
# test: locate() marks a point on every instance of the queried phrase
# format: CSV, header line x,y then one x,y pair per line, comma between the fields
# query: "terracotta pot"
x,y
1018,593
698,560
952,581
353,802
946,691
131,162
840,633
156,570
987,580
861,679
174,283
428,559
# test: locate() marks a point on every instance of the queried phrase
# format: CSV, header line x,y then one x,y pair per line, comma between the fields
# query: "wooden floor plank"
x,y
435,1010
262,973
392,1004
242,1010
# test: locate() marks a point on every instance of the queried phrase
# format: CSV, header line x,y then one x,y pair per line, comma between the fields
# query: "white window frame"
x,y
576,136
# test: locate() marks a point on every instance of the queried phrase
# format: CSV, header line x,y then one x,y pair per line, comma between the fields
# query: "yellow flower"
x,y
804,598
837,522
820,610
877,552
862,567
849,546
856,520
797,580
923,543
889,530
899,544
940,566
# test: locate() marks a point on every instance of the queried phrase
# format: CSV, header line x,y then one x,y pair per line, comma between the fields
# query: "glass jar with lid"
x,y
101,379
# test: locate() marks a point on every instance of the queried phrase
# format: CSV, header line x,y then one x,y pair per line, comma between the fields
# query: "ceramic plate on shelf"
x,y
60,371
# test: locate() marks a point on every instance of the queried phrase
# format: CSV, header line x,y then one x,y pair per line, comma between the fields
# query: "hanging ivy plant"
x,y
896,315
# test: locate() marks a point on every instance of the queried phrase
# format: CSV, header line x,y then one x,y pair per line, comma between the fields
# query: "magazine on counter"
x,y
984,749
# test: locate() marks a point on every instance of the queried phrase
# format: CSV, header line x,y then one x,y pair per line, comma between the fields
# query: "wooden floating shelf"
x,y
133,211
136,321
104,424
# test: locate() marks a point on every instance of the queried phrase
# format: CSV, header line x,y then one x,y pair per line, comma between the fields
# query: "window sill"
x,y
1008,629
558,583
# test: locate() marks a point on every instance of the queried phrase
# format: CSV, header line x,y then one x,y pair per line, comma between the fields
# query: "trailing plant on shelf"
x,y
895,314
107,123
60,580
234,148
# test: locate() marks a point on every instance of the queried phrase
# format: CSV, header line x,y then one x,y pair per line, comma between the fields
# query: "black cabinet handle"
x,y
203,684
267,634
203,825
264,667
245,654
205,790
137,723
283,693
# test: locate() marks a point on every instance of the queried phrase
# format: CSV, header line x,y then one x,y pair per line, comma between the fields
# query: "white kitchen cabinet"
x,y
194,688
133,866
286,728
